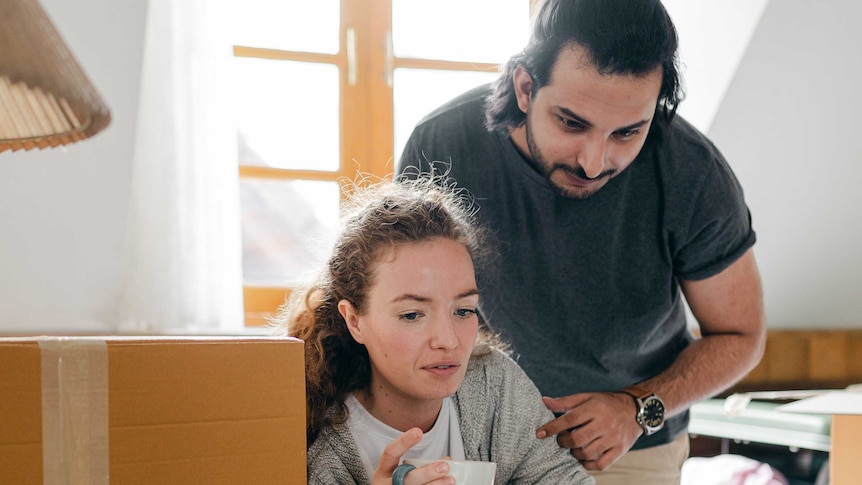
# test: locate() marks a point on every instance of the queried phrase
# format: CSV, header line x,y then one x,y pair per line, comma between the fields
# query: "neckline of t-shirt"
x,y
374,425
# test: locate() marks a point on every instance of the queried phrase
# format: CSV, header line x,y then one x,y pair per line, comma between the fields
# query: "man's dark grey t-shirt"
x,y
587,291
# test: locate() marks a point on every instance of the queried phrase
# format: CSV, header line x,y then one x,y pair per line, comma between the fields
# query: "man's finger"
x,y
594,462
563,424
563,404
553,427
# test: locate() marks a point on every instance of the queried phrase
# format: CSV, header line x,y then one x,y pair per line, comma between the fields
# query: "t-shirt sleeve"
x,y
718,229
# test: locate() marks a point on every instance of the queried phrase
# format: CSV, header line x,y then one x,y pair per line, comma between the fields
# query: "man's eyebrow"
x,y
634,125
588,124
575,116
467,293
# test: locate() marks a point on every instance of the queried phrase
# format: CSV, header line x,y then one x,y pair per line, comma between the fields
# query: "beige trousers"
x,y
659,465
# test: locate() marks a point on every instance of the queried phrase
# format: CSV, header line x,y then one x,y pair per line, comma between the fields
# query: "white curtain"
x,y
183,272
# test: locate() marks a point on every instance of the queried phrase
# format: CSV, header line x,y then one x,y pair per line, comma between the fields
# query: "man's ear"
x,y
523,84
351,317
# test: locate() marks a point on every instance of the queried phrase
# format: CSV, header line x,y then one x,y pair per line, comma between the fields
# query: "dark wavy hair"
x,y
626,37
375,218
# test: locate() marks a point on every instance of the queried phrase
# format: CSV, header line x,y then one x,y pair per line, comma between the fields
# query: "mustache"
x,y
579,172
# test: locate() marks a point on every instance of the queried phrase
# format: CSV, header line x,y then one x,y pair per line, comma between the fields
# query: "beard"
x,y
548,169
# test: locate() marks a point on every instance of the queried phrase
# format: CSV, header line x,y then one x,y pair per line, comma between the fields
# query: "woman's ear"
x,y
523,84
351,318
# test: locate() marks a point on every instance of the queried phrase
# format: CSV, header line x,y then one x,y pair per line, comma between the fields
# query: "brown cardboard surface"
x,y
20,418
845,466
180,411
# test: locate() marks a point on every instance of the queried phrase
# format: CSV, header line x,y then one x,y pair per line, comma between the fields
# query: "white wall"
x,y
63,210
713,37
789,125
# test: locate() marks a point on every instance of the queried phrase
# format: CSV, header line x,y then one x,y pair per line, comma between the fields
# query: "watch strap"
x,y
637,392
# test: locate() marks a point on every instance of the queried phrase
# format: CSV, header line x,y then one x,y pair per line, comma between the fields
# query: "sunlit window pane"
x,y
288,228
460,30
417,92
295,25
287,114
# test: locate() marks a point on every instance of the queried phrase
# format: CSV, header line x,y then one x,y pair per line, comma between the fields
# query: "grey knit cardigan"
x,y
499,410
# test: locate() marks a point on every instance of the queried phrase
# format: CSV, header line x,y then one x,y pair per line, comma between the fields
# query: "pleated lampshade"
x,y
46,99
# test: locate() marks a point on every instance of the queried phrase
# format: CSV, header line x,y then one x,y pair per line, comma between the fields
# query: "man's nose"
x,y
592,157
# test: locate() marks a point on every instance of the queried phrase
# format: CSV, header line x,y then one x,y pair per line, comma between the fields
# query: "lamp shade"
x,y
46,99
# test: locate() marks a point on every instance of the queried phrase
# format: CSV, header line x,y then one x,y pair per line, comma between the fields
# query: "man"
x,y
607,208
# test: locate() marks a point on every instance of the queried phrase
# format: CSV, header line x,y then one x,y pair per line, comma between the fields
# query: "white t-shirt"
x,y
372,436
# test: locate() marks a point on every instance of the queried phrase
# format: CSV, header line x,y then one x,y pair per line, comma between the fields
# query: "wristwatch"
x,y
650,415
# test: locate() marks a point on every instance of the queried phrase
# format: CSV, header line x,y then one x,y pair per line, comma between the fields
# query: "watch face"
x,y
653,413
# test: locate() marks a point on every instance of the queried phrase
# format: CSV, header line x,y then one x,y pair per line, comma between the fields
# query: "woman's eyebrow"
x,y
412,297
425,299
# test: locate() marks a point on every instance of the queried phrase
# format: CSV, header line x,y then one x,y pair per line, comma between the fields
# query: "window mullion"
x,y
380,88
355,98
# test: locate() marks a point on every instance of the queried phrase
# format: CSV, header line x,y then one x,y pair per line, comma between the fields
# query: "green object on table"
x,y
759,422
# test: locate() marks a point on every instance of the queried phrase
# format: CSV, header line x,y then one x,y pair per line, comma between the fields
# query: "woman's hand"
x,y
431,474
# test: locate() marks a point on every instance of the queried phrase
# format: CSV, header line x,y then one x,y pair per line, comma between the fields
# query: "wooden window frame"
x,y
366,65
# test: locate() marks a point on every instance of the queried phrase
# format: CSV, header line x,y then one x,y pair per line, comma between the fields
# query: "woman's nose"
x,y
443,335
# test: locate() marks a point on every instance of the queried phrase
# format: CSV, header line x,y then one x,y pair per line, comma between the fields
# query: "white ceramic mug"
x,y
465,472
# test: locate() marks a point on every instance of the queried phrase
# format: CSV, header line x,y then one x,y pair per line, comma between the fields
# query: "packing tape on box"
x,y
74,411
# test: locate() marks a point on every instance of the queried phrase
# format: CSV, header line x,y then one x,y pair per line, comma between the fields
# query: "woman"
x,y
396,366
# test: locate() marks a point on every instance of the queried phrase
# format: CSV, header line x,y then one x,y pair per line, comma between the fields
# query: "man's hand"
x,y
598,428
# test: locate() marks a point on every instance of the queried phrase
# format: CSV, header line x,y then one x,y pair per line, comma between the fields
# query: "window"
x,y
329,88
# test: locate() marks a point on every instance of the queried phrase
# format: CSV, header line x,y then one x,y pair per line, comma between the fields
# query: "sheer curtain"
x,y
183,267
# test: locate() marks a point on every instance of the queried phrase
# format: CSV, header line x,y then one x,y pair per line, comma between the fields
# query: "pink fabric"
x,y
729,470
763,474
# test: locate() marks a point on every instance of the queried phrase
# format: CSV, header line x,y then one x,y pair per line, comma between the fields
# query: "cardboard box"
x,y
845,455
154,410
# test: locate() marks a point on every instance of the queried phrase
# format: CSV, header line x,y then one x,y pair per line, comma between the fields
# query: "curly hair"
x,y
374,219
625,37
